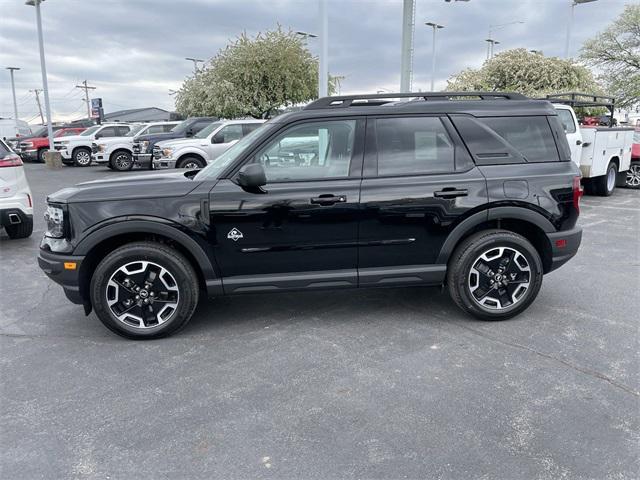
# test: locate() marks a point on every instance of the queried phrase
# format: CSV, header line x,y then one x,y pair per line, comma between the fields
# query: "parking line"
x,y
612,208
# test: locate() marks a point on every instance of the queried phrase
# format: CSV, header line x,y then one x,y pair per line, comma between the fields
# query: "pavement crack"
x,y
585,371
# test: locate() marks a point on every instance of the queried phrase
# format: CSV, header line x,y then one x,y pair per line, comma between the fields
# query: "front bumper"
x,y
66,154
30,155
142,159
56,267
161,163
564,246
99,158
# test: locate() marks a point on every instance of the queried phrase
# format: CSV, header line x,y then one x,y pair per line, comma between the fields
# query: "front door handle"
x,y
451,192
328,199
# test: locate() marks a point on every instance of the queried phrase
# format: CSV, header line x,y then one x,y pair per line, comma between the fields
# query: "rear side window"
x,y
250,127
567,120
413,145
122,131
530,136
4,150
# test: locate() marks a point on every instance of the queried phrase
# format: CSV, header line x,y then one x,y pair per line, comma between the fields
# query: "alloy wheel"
x,y
142,294
122,161
83,157
499,278
191,166
633,175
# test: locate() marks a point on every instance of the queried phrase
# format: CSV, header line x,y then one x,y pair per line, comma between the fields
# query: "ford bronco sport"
x,y
472,190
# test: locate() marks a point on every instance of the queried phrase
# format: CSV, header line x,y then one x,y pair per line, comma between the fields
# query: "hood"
x,y
157,137
72,138
125,189
108,140
178,142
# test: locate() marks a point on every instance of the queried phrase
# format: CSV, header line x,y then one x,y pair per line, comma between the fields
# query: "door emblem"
x,y
235,234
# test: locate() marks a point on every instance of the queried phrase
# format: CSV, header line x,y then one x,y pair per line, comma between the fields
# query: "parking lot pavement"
x,y
392,383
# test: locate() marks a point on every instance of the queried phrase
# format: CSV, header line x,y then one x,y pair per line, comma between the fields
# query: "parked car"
x,y
117,152
204,146
33,148
633,175
480,195
16,201
76,150
602,153
143,144
12,132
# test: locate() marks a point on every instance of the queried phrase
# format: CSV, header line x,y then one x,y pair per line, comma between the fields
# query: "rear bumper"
x,y
564,246
53,265
13,216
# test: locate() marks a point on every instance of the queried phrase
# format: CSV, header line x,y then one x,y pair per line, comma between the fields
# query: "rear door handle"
x,y
328,199
451,192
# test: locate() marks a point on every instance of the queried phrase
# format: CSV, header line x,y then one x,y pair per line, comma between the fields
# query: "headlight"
x,y
167,152
62,142
54,217
143,146
102,147
26,144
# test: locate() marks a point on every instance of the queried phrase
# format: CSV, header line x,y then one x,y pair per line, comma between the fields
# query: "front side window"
x,y
567,120
107,132
317,150
228,134
530,136
415,145
90,131
155,129
205,132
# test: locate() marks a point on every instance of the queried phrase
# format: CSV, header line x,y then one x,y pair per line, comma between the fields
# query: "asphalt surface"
x,y
391,383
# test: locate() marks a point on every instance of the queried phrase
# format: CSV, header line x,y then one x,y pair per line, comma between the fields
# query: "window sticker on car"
x,y
235,234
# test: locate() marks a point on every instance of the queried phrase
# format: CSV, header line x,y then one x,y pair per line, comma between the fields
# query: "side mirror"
x,y
252,178
190,132
217,139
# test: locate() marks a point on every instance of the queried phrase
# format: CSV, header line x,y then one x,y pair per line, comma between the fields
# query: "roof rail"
x,y
344,101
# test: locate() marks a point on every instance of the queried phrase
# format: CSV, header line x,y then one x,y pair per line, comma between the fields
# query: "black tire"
x,y
462,272
190,162
181,275
603,185
41,153
81,157
121,160
20,230
633,176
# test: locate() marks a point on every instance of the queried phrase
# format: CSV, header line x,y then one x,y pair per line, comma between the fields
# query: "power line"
x,y
86,89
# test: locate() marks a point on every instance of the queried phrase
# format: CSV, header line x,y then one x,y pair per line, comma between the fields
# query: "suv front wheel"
x,y
494,274
144,290
81,157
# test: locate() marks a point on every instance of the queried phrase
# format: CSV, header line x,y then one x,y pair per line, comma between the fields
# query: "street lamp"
x,y
493,28
435,27
570,24
490,44
13,91
195,63
43,69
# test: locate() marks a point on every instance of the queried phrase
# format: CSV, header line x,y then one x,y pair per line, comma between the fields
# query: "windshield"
x,y
204,133
40,132
216,166
181,127
134,130
90,130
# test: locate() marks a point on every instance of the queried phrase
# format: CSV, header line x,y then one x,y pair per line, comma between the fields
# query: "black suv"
x,y
143,144
473,190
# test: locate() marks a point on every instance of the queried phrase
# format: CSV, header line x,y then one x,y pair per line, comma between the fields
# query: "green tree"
x,y
252,77
529,73
616,53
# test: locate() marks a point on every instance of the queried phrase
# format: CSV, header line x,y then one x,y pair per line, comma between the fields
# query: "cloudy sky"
x,y
133,50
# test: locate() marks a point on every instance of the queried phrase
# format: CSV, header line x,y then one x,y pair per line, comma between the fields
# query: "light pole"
x,y
435,28
493,28
195,63
43,69
323,64
13,91
570,24
406,57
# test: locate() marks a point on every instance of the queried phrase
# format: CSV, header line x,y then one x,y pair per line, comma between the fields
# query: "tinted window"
x,y
310,151
156,129
250,127
531,136
567,120
418,145
200,125
107,132
228,134
122,131
167,128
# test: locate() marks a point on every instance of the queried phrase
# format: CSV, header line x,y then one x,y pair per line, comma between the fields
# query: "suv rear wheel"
x,y
81,157
606,184
144,290
495,274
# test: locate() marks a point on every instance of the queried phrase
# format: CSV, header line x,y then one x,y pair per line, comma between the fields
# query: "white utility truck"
x,y
602,153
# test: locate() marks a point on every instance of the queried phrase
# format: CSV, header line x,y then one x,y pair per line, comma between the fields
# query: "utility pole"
x,y
570,24
37,92
195,63
406,58
13,90
86,89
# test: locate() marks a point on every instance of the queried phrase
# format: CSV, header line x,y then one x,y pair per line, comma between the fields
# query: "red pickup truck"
x,y
33,148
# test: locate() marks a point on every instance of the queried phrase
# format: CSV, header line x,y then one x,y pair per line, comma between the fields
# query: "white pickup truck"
x,y
602,153
76,149
204,146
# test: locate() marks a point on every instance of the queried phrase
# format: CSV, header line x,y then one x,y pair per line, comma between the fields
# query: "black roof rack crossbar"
x,y
344,101
576,99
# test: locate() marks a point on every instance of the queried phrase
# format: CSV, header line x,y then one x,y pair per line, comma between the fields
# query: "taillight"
x,y
10,161
577,193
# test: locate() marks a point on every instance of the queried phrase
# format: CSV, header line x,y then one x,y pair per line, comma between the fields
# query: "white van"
x,y
9,129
